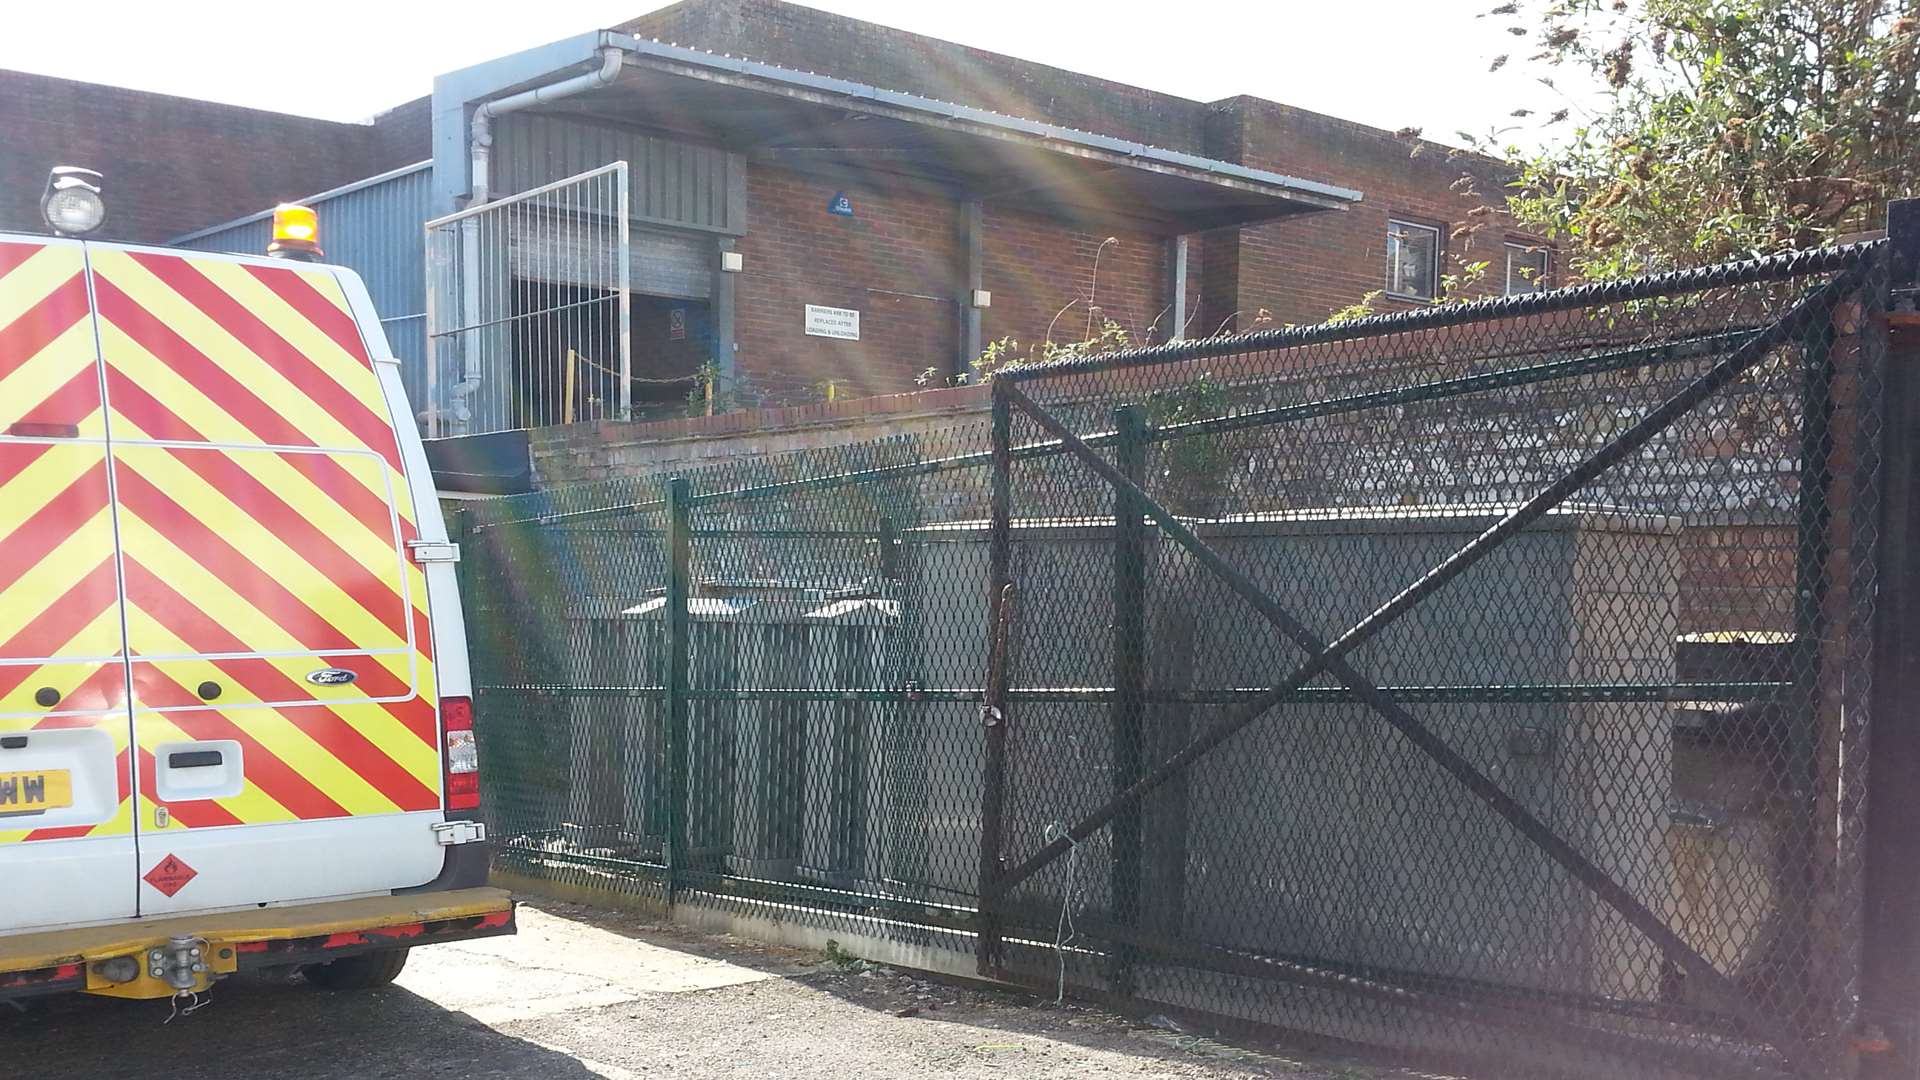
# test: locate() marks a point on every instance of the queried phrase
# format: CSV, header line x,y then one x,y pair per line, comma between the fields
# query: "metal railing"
x,y
529,309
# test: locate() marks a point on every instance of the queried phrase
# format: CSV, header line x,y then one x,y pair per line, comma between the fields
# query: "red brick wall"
x,y
1036,267
894,261
174,164
403,134
1301,269
897,261
1737,577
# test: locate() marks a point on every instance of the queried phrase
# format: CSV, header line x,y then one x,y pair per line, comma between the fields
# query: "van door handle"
x,y
195,759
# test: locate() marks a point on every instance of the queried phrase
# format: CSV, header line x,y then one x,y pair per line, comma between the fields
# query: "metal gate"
x,y
529,309
1492,683
1474,686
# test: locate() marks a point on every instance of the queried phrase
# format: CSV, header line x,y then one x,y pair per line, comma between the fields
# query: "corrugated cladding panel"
x,y
376,230
673,183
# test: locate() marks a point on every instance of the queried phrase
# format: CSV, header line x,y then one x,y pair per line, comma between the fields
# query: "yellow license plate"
x,y
33,792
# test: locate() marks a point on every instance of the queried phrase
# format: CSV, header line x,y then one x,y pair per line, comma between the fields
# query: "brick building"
x,y
175,164
784,160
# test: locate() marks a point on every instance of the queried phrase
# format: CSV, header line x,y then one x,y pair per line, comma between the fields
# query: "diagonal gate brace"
x,y
1328,658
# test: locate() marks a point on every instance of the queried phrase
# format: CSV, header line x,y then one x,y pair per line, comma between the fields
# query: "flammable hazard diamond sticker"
x,y
171,875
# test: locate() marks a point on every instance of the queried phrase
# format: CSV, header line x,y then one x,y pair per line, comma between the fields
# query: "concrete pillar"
x,y
1177,288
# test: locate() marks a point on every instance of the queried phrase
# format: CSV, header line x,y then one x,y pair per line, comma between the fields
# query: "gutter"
x,y
482,142
454,93
481,151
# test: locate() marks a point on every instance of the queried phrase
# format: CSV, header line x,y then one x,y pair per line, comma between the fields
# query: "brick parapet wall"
x,y
579,453
174,164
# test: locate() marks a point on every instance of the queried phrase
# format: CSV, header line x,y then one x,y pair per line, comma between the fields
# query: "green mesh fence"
x,y
1487,683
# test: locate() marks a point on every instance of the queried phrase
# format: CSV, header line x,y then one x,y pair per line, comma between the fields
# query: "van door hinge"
x,y
433,551
449,833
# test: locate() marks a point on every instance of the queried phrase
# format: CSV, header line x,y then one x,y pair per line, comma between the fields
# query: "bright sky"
x,y
1390,63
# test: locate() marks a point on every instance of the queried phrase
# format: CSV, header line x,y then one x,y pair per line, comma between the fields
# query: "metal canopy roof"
x,y
821,124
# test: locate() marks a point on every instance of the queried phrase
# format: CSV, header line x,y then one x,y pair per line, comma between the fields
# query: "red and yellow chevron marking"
x,y
241,554
271,353
48,375
59,589
263,519
263,516
332,758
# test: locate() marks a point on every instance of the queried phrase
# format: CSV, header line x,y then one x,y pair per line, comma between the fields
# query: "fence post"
x,y
1806,712
679,652
1127,710
624,237
993,711
1890,988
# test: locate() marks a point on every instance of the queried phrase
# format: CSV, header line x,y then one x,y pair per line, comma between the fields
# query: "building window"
x,y
1413,260
1526,269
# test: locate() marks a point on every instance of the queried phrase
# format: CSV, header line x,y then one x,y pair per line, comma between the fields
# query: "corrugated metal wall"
x,y
374,227
673,183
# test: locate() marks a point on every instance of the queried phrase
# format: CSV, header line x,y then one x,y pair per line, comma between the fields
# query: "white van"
x,y
235,716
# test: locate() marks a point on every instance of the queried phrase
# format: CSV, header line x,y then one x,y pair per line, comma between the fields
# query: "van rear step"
x,y
120,960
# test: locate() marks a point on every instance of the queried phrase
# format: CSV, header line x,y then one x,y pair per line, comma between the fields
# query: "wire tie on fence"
x,y
1064,932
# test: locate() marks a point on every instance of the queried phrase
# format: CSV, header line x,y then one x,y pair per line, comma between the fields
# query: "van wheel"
x,y
362,972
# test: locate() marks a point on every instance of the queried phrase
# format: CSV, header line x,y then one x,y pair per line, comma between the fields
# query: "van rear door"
x,y
281,668
67,851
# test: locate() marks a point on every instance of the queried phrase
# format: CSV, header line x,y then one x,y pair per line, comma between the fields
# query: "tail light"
x,y
462,757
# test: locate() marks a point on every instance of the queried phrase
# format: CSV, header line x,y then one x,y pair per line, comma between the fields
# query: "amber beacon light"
x,y
296,232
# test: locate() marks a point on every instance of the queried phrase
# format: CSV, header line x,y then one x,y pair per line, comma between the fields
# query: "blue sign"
x,y
840,205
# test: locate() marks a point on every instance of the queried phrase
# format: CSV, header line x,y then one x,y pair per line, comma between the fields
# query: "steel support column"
x,y
1176,289
726,359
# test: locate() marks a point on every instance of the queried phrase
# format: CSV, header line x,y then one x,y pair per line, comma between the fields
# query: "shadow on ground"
x,y
262,1029
583,993
948,1024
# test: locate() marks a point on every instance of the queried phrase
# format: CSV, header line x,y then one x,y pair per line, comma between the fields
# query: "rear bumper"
x,y
57,961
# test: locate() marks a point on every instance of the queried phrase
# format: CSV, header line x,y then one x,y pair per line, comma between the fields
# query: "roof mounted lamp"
x,y
296,233
72,205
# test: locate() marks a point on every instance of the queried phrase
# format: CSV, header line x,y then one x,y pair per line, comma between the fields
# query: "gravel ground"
x,y
581,994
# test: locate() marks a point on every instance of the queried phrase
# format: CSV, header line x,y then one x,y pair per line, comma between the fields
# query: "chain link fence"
x,y
1489,683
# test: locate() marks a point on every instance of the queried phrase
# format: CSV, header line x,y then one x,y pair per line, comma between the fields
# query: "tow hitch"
x,y
181,962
